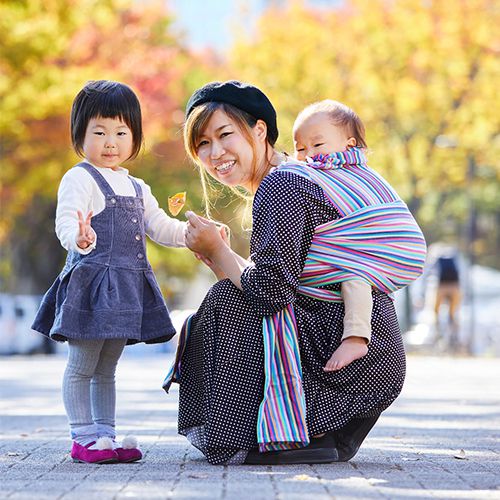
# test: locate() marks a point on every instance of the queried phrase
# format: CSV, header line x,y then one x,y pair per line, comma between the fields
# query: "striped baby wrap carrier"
x,y
376,240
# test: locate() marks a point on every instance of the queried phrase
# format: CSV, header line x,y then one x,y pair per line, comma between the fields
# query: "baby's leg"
x,y
102,388
358,304
83,356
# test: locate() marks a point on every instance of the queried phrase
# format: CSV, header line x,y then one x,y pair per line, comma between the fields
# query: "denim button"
x,y
138,237
134,220
113,200
140,256
130,202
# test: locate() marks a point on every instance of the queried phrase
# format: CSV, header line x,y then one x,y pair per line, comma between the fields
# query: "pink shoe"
x,y
82,454
128,452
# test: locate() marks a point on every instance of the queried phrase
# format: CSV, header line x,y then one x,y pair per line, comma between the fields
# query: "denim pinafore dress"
x,y
110,293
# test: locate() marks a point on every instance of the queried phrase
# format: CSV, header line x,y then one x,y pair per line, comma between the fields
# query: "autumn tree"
x,y
422,75
49,49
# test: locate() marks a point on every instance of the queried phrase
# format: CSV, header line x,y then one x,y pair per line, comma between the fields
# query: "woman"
x,y
250,362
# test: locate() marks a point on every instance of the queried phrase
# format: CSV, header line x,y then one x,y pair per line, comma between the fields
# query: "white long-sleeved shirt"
x,y
79,191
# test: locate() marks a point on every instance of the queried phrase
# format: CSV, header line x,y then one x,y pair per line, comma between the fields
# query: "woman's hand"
x,y
86,235
203,237
219,273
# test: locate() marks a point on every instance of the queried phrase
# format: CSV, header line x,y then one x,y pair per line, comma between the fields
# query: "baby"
x,y
331,133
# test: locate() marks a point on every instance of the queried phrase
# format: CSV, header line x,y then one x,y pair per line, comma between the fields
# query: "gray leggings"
x,y
89,393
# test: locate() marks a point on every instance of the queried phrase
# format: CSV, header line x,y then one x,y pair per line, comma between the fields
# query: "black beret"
x,y
241,95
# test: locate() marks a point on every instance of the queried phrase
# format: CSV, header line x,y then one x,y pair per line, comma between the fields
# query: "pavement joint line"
x,y
180,471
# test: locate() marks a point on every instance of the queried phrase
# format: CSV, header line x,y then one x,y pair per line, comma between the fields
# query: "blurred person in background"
x,y
448,286
444,268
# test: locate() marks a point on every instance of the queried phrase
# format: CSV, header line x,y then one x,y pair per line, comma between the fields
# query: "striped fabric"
x,y
380,244
282,413
376,240
349,184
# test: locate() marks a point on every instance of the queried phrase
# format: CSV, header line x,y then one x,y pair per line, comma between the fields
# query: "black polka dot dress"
x,y
222,369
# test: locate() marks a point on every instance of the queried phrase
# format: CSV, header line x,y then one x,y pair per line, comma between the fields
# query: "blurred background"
x,y
422,74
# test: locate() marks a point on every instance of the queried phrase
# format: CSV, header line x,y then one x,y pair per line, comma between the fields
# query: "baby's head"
x,y
327,127
106,99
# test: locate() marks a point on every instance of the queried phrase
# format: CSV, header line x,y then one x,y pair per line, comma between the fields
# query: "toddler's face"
x,y
318,135
108,142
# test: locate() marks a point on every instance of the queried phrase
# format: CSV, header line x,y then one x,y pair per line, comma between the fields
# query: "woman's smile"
x,y
226,167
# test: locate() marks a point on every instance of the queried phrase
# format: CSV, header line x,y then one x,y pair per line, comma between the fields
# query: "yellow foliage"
x,y
48,50
412,70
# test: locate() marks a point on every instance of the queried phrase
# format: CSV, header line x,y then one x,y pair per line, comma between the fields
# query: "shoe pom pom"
x,y
104,443
129,442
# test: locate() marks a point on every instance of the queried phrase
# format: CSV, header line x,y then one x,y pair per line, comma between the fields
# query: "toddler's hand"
x,y
224,232
86,235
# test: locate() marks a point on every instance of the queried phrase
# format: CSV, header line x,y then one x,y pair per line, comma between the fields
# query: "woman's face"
x,y
225,152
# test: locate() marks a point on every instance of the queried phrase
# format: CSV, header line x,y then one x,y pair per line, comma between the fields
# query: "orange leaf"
x,y
176,202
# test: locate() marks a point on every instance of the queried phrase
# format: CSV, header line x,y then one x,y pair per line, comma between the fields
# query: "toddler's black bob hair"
x,y
106,99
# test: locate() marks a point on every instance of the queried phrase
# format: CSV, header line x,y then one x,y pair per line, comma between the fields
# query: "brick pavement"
x,y
447,405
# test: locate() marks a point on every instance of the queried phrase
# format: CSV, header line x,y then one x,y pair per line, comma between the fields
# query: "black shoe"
x,y
320,451
350,437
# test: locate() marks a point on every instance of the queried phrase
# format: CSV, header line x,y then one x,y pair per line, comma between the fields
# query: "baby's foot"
x,y
350,349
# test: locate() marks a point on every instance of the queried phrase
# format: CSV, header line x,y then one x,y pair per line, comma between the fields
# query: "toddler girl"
x,y
106,295
329,135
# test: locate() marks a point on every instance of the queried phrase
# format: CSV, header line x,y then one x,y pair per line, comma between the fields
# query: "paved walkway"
x,y
415,451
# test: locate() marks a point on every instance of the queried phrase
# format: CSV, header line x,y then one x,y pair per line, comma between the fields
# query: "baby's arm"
x,y
358,304
161,228
74,195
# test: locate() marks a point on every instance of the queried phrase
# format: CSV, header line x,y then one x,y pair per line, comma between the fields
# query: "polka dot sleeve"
x,y
282,231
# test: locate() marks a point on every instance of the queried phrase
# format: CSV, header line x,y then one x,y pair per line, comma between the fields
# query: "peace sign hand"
x,y
86,235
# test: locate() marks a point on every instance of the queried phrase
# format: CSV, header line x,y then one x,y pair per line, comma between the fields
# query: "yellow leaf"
x,y
176,202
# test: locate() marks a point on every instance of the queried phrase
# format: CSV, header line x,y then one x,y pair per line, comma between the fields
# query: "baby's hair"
x,y
340,115
106,99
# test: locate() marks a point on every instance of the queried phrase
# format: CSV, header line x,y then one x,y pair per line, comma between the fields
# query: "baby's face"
x,y
318,135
